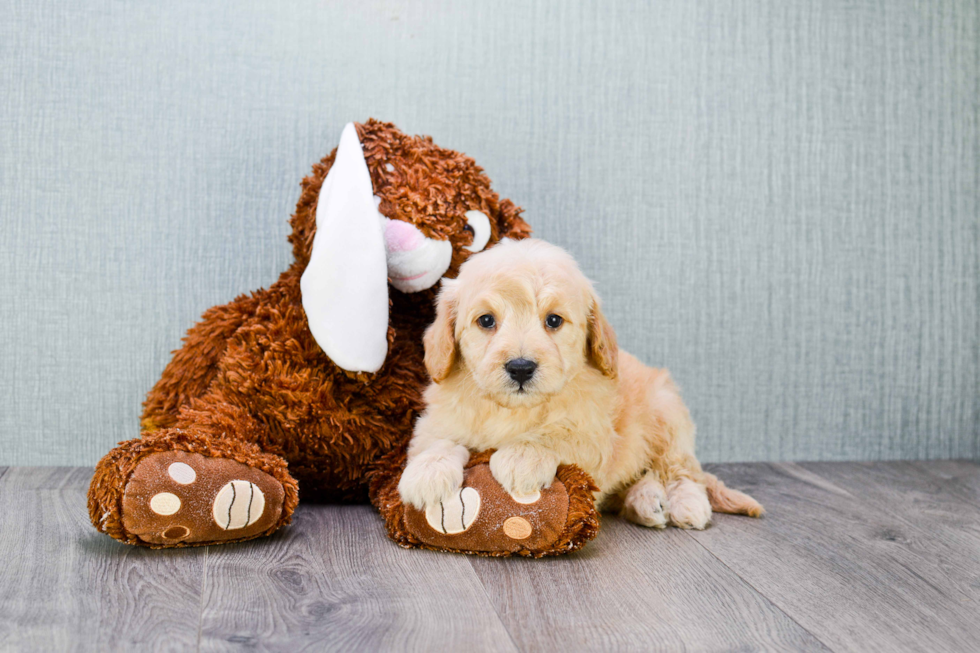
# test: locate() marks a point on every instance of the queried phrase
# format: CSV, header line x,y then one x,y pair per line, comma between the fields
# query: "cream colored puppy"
x,y
523,361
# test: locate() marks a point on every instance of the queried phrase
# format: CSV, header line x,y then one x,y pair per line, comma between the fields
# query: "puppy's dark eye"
x,y
469,229
486,321
554,321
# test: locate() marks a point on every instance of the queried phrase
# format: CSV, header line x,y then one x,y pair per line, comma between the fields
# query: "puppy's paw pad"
x,y
454,514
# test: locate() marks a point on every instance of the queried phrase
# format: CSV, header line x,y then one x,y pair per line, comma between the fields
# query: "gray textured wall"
x,y
778,200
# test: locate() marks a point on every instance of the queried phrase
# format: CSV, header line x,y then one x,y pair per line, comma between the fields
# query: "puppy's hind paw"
x,y
646,504
689,505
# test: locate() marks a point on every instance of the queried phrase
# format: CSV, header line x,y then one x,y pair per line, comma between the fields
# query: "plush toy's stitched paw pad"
x,y
176,497
239,504
482,517
455,514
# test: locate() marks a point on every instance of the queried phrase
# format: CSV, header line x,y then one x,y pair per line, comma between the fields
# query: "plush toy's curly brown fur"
x,y
257,353
251,384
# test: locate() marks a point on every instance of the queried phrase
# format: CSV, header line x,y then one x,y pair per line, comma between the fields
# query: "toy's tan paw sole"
x,y
455,514
482,517
175,497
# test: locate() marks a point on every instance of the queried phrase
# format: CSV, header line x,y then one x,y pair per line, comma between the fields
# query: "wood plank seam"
x,y
65,585
769,600
930,470
902,515
827,560
204,587
489,599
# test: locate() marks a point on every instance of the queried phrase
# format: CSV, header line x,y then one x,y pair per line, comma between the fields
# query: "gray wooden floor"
x,y
855,556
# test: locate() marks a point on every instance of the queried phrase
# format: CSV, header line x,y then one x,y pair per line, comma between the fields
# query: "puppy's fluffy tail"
x,y
725,499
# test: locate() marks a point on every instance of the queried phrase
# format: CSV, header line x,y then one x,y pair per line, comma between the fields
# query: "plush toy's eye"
x,y
554,321
479,224
486,321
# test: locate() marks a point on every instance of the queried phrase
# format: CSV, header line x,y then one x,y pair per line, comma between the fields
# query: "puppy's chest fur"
x,y
578,424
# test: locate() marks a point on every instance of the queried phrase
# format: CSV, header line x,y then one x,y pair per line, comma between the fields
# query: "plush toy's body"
x,y
309,383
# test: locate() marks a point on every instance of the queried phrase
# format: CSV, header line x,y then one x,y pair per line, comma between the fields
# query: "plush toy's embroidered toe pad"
x,y
502,523
179,497
483,519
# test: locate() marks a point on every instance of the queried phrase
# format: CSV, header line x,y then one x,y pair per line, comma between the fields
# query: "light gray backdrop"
x,y
778,200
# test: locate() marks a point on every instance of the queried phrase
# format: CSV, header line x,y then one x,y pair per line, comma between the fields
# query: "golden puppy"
x,y
524,362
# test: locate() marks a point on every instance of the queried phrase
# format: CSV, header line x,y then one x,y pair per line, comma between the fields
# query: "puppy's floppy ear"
x,y
440,337
603,351
345,284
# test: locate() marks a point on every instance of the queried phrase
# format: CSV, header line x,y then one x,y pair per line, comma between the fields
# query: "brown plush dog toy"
x,y
315,382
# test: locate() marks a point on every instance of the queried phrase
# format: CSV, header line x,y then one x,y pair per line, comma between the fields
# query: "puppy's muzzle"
x,y
521,370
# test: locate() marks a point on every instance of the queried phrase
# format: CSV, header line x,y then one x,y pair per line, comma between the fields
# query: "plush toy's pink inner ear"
x,y
345,285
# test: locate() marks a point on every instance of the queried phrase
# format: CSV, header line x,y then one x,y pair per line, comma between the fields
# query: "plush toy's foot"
x,y
175,489
176,497
483,519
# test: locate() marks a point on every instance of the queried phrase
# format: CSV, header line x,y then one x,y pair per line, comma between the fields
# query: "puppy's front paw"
x,y
431,477
523,470
689,505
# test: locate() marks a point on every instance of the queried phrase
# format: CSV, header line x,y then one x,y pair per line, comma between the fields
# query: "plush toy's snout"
x,y
401,236
414,261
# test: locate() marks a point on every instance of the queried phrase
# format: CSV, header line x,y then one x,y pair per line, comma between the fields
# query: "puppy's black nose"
x,y
521,369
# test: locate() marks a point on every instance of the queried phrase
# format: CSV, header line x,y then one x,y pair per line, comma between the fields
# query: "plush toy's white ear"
x,y
345,285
